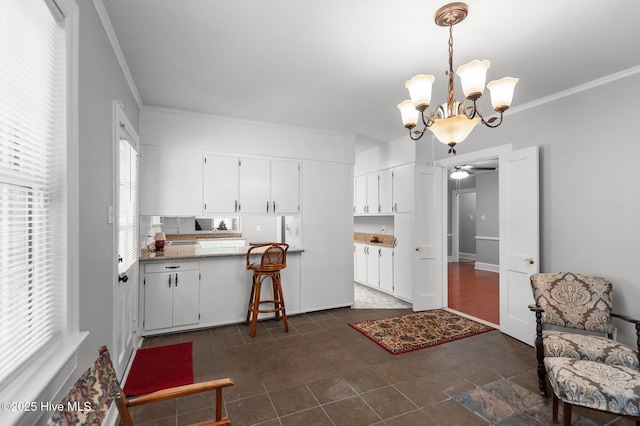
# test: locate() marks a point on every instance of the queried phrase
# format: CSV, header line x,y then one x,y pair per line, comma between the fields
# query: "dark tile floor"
x,y
325,373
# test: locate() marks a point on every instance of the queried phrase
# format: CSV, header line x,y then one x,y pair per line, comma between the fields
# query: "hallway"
x,y
474,292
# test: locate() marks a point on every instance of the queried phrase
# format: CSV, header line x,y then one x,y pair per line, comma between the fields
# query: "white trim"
x,y
481,321
483,154
111,35
467,256
577,89
478,237
487,267
195,114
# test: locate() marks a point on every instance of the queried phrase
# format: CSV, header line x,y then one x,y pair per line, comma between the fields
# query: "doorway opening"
x,y
473,240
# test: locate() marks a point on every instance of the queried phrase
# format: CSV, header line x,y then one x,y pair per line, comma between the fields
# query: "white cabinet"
x,y
360,195
403,256
361,267
373,193
255,185
385,191
373,266
269,186
385,262
403,189
171,294
285,187
171,181
220,184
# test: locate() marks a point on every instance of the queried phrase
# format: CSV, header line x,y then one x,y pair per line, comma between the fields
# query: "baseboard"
x,y
487,267
467,256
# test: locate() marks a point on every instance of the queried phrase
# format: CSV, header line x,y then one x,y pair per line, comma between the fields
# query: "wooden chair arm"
x,y
535,308
178,391
626,318
253,248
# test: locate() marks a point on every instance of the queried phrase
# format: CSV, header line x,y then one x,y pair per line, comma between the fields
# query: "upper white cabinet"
x,y
373,193
220,184
285,186
269,186
255,185
403,189
171,181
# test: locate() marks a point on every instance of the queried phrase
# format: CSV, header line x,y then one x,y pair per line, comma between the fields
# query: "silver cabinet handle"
x,y
176,280
169,280
236,206
379,252
267,207
379,208
274,206
395,207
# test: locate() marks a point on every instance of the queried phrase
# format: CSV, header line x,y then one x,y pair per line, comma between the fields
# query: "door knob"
x,y
123,278
418,248
530,260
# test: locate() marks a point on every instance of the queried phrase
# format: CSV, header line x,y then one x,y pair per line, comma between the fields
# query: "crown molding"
x,y
577,89
111,35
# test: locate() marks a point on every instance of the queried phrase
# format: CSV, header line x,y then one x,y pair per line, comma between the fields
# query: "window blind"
x,y
127,206
33,279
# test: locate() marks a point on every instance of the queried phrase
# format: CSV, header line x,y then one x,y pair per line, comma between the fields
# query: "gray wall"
x,y
589,195
487,203
101,80
467,223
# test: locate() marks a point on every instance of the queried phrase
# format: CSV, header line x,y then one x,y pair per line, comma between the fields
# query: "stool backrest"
x,y
274,255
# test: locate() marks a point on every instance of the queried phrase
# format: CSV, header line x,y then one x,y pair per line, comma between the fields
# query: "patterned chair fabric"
x,y
581,302
603,387
591,348
88,401
575,301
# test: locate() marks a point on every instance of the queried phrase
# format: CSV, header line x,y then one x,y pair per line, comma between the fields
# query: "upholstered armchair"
x,y
582,303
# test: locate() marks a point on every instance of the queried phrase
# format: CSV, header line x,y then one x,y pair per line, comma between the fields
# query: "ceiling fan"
x,y
464,171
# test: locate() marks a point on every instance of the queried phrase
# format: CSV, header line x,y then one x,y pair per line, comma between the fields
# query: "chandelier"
x,y
452,121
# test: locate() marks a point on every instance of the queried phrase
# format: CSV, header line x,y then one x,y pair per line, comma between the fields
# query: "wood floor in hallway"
x,y
474,292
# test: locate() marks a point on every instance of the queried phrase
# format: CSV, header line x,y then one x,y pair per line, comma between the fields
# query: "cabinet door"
x,y
385,190
372,194
373,265
403,259
255,185
361,263
158,301
403,189
285,187
171,181
186,298
361,194
386,268
220,184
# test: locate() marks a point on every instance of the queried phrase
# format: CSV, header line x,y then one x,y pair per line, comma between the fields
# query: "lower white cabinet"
x,y
374,266
171,294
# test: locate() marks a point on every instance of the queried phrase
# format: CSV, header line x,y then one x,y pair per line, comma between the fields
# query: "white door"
x,y
126,235
428,224
519,244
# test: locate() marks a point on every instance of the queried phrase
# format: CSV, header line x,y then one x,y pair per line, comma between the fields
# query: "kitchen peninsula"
x,y
190,286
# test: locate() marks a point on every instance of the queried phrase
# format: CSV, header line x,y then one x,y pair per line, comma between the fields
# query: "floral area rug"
x,y
409,332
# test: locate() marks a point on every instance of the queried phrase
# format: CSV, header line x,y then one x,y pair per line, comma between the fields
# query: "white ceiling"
x,y
340,65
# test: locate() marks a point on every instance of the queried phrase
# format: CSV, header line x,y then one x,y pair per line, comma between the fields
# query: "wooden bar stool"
x,y
273,260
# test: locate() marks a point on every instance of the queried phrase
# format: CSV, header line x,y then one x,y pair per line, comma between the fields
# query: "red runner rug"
x,y
160,368
418,330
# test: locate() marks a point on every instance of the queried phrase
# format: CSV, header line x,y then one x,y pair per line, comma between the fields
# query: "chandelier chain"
x,y
451,95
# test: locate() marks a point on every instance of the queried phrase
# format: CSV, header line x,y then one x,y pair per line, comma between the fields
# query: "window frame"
x,y
43,378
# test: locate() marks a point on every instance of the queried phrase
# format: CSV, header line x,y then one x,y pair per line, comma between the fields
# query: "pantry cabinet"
x,y
403,189
374,266
361,267
171,295
373,193
385,268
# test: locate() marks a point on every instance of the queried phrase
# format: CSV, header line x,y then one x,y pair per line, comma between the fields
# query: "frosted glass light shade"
x,y
459,174
409,114
420,90
502,92
473,76
454,129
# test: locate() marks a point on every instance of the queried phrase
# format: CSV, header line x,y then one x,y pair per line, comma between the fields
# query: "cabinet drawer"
x,y
150,268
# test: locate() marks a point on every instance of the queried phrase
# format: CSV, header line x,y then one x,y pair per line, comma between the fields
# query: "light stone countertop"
x,y
195,251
